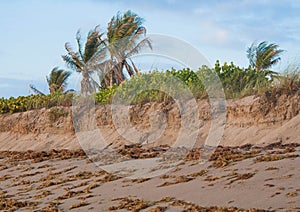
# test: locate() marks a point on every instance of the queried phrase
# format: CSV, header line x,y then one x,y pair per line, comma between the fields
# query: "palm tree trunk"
x,y
128,68
85,83
120,72
111,78
118,76
134,67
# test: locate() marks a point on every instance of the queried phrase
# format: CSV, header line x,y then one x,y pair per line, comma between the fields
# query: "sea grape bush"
x,y
104,96
238,82
161,86
24,103
148,87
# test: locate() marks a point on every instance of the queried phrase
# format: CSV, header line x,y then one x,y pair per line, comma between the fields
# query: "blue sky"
x,y
33,33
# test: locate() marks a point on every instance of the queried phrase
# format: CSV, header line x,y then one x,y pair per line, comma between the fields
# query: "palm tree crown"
x,y
263,55
109,56
87,60
124,36
57,79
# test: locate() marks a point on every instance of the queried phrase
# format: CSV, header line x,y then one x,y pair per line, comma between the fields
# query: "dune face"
x,y
255,120
46,165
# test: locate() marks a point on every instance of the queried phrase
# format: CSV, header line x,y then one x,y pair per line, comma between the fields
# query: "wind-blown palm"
x,y
87,60
263,55
57,79
124,36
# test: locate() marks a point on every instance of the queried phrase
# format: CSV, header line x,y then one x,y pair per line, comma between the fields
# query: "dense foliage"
x,y
24,103
159,86
238,82
164,86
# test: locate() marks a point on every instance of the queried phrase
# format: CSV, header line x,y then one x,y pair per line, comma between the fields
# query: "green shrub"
x,y
238,82
104,96
24,103
171,85
159,86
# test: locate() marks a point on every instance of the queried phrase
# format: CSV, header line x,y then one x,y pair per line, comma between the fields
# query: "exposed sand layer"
x,y
255,120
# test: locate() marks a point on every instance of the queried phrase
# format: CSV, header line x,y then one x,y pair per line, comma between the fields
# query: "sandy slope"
x,y
249,120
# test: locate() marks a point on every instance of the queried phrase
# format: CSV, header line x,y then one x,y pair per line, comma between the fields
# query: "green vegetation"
x,y
288,82
104,96
238,82
25,103
157,86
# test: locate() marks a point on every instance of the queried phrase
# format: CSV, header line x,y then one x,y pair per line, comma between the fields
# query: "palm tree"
x,y
35,90
57,80
124,36
88,60
263,55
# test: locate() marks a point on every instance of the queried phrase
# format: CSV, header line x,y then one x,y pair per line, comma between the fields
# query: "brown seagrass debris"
x,y
39,156
137,151
135,204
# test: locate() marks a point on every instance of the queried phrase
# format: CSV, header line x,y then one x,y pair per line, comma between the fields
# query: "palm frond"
x,y
263,55
88,58
35,90
92,44
57,79
251,54
136,49
79,43
124,37
96,61
73,59
71,63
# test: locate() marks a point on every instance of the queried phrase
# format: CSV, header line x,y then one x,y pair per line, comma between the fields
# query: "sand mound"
x,y
255,120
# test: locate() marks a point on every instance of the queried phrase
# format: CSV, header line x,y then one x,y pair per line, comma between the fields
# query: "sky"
x,y
33,32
